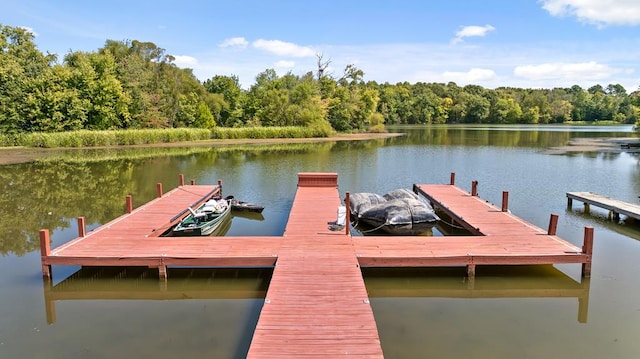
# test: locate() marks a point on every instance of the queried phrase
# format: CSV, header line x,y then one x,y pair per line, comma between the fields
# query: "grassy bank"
x,y
87,138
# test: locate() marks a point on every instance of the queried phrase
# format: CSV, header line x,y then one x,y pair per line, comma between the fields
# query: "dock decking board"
x,y
316,304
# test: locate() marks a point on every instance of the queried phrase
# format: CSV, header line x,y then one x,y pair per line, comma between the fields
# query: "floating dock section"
x,y
317,302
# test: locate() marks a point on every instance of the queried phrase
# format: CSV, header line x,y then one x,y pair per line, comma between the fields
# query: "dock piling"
x,y
82,227
181,179
129,201
159,189
45,251
452,181
587,248
471,271
553,225
505,201
474,188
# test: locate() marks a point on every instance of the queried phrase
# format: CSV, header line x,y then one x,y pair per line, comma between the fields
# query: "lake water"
x,y
510,312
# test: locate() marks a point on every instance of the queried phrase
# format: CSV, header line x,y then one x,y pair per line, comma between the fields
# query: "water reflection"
x,y
490,282
503,136
626,226
139,283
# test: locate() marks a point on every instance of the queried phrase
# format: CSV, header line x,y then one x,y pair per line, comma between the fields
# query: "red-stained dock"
x,y
317,303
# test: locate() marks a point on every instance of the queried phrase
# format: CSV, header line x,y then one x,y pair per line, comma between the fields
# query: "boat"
x,y
205,219
399,212
237,205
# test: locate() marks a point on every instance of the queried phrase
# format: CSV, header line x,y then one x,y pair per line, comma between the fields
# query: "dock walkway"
x,y
316,303
615,207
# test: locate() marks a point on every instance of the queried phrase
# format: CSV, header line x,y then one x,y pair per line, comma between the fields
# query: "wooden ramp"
x,y
615,207
317,303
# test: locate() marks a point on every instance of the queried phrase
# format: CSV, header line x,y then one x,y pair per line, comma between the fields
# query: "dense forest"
x,y
136,85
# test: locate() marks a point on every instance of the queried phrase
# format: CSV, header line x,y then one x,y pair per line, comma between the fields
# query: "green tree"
x,y
232,95
506,110
94,78
24,74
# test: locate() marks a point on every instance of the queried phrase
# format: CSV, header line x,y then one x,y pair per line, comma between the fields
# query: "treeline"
x,y
136,85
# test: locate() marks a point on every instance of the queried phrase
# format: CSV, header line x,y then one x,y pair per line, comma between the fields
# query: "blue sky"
x,y
492,43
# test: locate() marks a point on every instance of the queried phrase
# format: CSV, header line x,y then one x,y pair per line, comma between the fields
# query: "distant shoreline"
x,y
15,155
10,155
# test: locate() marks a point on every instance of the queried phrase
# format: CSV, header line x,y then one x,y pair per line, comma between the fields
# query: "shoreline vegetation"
x,y
23,154
97,138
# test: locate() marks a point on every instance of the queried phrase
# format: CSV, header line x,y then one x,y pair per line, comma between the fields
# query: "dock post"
x,y
452,181
181,179
220,187
553,225
505,201
587,248
159,189
347,219
193,182
162,272
82,227
587,208
129,203
569,202
471,271
474,188
45,251
615,216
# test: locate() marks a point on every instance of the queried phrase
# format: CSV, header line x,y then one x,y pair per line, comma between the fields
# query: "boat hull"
x,y
199,224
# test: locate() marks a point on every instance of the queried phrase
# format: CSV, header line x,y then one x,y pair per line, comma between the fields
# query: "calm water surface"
x,y
519,312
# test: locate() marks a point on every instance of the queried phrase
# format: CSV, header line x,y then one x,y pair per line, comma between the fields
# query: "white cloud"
x,y
600,12
473,76
470,31
185,61
285,64
490,66
567,71
29,30
282,48
237,42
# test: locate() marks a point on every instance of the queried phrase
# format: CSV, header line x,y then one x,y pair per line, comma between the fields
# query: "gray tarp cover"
x,y
399,207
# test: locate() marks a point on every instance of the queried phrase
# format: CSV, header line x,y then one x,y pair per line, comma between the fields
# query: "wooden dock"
x,y
501,238
614,206
317,303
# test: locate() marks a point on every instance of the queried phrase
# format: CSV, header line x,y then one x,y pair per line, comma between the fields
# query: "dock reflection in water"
x,y
490,282
137,283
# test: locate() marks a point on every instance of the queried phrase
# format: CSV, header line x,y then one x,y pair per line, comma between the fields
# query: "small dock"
x,y
614,206
317,301
499,238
